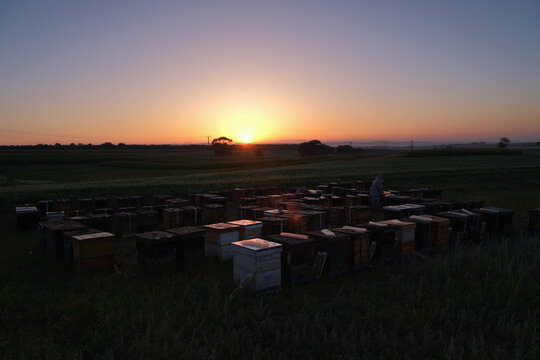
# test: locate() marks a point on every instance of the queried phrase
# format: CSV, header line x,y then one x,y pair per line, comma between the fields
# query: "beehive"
x,y
101,202
336,216
124,223
384,236
147,220
499,221
442,232
273,225
336,246
218,240
402,211
260,259
102,222
189,244
274,200
364,199
391,200
50,235
534,215
122,202
45,206
247,200
136,201
172,217
63,205
465,224
85,204
176,203
66,236
405,236
238,193
160,199
358,246
262,201
296,257
213,213
27,216
93,252
296,222
156,250
83,219
357,214
259,212
192,215
434,236
287,197
246,212
316,220
248,229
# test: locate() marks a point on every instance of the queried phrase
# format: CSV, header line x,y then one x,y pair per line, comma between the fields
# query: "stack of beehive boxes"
x,y
219,238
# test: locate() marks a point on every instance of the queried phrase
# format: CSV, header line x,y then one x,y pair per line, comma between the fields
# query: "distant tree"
x,y
57,145
503,143
222,146
344,149
538,143
258,152
314,147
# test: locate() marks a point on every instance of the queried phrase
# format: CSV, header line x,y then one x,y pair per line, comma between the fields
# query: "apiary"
x,y
296,257
66,236
499,221
384,237
27,216
102,222
189,244
192,215
359,244
273,225
50,235
405,236
147,220
156,250
534,215
248,229
465,224
124,223
260,259
63,205
172,217
176,203
336,245
213,213
219,237
93,252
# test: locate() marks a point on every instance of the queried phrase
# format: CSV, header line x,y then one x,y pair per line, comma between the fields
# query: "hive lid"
x,y
221,226
245,222
376,223
399,223
355,228
185,230
257,244
421,218
20,209
91,236
155,235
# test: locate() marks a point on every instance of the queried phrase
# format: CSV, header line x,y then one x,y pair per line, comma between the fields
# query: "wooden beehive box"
x,y
45,206
189,244
296,222
262,201
176,203
247,201
238,193
172,217
442,231
93,252
66,236
122,202
160,199
260,259
147,220
337,216
274,200
124,223
246,212
384,237
86,204
213,213
248,229
136,201
50,235
83,219
102,222
296,258
63,205
405,236
465,224
288,197
357,214
192,215
273,225
259,212
499,221
218,240
101,202
156,250
27,216
316,220
336,245
358,246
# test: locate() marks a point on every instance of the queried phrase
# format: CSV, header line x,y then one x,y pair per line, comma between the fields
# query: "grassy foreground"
x,y
470,303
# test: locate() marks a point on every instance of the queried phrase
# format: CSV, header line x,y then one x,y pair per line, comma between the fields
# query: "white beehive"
x,y
218,239
260,259
249,229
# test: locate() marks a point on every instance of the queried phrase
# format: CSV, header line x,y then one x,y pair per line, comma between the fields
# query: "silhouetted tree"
x,y
503,143
314,147
344,149
221,146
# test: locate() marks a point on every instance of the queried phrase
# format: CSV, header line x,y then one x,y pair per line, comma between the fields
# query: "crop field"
x,y
468,303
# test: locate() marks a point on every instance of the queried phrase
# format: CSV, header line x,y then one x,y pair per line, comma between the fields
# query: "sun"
x,y
247,138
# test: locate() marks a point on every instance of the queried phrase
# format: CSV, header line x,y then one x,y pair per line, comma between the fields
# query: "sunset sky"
x,y
269,71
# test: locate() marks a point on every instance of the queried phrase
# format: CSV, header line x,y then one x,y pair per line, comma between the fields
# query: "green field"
x,y
470,303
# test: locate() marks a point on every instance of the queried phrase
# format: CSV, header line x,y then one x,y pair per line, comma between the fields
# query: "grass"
x,y
469,303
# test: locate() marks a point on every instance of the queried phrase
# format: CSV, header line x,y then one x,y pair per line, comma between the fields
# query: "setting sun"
x,y
246,138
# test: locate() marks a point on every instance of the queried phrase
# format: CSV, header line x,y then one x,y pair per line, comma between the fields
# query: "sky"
x,y
143,72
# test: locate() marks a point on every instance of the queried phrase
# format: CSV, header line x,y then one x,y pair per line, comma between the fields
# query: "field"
x,y
471,303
